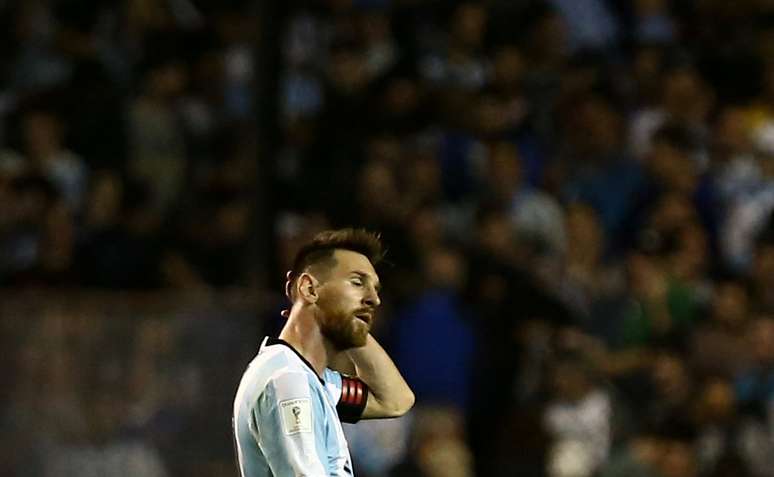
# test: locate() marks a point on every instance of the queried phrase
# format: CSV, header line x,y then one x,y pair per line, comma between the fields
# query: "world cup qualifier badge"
x,y
296,415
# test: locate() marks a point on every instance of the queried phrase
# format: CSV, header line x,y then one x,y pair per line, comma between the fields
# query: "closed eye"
x,y
360,279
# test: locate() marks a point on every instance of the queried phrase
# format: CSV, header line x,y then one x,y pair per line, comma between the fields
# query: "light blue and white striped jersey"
x,y
285,418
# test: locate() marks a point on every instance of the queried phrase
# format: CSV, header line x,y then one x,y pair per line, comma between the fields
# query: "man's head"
x,y
334,274
673,158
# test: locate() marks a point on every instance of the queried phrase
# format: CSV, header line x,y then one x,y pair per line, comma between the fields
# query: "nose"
x,y
372,298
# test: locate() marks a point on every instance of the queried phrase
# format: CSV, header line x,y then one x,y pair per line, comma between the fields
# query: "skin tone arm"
x,y
390,395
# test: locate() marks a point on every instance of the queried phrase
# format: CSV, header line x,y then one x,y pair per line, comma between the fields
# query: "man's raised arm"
x,y
390,395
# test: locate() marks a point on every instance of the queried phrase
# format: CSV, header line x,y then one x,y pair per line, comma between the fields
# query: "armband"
x,y
354,396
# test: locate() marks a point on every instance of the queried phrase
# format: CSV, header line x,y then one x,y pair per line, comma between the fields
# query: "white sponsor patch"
x,y
296,415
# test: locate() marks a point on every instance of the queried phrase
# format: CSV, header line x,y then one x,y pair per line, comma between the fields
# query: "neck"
x,y
302,331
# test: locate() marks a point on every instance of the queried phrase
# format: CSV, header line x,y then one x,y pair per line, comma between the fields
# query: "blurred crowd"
x,y
127,143
577,198
129,385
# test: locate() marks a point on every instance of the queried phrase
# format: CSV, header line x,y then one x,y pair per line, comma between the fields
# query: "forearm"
x,y
390,394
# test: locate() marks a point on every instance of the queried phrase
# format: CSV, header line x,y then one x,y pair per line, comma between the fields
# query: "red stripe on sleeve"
x,y
359,396
344,391
347,397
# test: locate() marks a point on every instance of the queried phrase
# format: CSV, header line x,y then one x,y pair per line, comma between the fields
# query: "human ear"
x,y
307,287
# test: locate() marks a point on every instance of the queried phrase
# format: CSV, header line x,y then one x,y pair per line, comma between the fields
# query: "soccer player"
x,y
290,403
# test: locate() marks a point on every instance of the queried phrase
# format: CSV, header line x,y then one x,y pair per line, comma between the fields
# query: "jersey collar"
x,y
270,341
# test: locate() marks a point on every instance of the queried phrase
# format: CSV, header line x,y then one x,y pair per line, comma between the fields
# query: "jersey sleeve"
x,y
349,393
289,423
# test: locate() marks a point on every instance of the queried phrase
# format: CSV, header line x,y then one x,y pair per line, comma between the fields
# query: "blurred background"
x,y
576,195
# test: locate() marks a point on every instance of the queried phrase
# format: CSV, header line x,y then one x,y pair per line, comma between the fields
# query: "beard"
x,y
343,329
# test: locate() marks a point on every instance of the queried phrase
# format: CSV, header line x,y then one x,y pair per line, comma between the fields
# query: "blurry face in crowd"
x,y
401,96
670,377
678,460
233,221
716,402
445,268
593,127
645,69
375,27
672,211
690,259
168,81
508,67
445,458
105,198
42,134
763,272
604,125
59,241
685,96
347,70
439,444
646,449
426,228
731,131
548,39
492,115
504,170
585,233
729,305
646,275
378,191
469,24
761,339
673,168
495,235
570,381
424,177
347,299
384,148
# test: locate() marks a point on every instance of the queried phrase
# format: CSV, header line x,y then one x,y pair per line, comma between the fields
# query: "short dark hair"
x,y
322,247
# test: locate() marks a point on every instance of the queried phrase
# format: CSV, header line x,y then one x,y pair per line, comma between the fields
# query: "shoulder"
x,y
274,360
289,383
282,373
273,367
